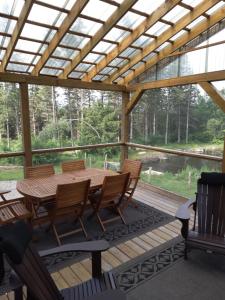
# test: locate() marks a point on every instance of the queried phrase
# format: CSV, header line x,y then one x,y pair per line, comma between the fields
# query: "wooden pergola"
x,y
101,45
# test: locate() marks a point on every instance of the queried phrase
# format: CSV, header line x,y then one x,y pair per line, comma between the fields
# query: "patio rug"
x,y
164,274
138,220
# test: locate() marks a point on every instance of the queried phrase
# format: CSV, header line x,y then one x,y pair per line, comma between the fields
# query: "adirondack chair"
x,y
209,215
15,242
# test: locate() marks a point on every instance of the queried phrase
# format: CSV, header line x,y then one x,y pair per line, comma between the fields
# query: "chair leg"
x,y
56,235
128,201
120,214
100,221
82,226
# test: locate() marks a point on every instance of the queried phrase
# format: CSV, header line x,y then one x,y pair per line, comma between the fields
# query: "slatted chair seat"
x,y
209,220
15,242
13,210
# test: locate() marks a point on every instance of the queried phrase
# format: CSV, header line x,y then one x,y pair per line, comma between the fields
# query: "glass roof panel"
x,y
150,55
142,41
176,13
94,58
108,70
45,15
7,25
104,47
52,72
76,75
61,3
99,77
131,20
65,52
158,28
148,6
215,7
177,35
85,26
2,53
28,45
17,67
162,46
219,36
22,57
99,9
116,34
195,22
129,52
4,41
127,73
140,63
74,41
118,62
11,7
192,3
83,67
54,62
37,32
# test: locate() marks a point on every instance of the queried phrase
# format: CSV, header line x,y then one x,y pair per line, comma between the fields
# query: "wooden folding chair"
x,y
39,171
111,195
71,199
73,165
134,168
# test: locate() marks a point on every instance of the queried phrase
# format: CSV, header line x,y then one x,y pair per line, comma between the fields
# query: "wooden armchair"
x,y
71,199
134,168
73,165
209,215
110,196
39,171
15,242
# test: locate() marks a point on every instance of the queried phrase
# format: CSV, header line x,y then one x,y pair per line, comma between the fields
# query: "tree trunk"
x,y
167,120
187,122
154,124
131,126
179,124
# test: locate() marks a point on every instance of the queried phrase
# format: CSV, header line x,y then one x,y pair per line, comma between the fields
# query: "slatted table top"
x,y
44,188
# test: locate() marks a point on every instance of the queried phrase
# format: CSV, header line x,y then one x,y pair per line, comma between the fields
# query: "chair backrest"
x,y
133,167
15,243
114,187
40,171
73,165
71,194
210,201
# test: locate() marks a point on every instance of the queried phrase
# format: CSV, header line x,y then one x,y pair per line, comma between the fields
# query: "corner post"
x,y
26,133
124,126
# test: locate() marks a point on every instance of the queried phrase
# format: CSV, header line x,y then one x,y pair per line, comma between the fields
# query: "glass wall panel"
x,y
62,117
11,169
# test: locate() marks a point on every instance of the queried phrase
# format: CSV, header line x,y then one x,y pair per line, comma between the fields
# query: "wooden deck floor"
x,y
115,256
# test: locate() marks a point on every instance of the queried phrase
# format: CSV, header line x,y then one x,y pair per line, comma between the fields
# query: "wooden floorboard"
x,y
123,252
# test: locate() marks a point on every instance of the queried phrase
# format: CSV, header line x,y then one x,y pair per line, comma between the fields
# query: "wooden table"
x,y
42,189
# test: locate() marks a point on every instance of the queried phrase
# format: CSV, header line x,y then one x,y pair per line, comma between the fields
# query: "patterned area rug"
x,y
138,220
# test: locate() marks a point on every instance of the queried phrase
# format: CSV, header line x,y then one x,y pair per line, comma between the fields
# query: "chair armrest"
x,y
92,246
95,247
183,212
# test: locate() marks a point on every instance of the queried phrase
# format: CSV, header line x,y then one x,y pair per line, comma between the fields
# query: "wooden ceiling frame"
x,y
167,34
214,94
112,20
136,33
16,33
63,29
179,42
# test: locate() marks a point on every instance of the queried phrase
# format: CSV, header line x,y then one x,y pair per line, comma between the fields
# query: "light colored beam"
x,y
65,26
67,83
124,127
179,42
134,100
145,25
16,33
214,94
113,19
191,79
165,36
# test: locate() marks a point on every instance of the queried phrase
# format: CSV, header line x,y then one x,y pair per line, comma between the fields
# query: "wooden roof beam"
x,y
16,33
134,100
144,26
214,94
113,19
167,34
64,28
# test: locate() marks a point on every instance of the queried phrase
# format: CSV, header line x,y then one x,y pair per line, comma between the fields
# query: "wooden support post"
x,y
134,100
24,98
124,127
223,162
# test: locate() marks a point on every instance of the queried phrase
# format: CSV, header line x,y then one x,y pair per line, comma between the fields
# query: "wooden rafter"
x,y
16,33
134,100
145,25
179,42
68,21
214,94
191,79
113,19
167,34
